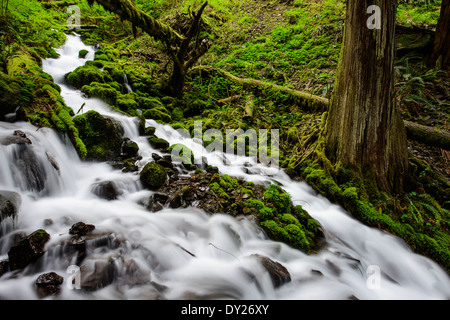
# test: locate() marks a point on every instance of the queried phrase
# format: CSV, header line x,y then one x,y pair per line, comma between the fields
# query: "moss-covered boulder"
x,y
10,89
182,154
103,91
153,176
82,53
158,143
102,135
157,114
85,75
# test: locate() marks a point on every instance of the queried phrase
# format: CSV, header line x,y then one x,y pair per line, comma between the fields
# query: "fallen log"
x,y
428,135
308,101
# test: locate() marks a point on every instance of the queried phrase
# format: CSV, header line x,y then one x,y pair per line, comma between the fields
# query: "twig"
x,y
224,251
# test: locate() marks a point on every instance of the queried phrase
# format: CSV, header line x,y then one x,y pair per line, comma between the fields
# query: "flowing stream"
x,y
184,253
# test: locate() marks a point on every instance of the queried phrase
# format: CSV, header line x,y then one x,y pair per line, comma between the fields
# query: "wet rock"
x,y
176,200
28,249
10,94
81,228
129,148
158,143
49,284
107,190
19,137
278,273
53,161
102,135
129,165
153,176
96,274
4,266
9,204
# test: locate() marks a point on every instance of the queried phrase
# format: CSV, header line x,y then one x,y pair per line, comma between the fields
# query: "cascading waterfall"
x,y
182,253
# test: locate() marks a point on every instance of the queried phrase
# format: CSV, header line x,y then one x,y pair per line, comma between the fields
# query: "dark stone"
x,y
129,148
176,200
19,137
30,171
28,249
81,228
48,279
9,204
106,190
96,275
4,266
278,273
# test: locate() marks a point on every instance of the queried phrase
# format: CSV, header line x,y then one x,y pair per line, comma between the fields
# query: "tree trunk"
x,y
364,131
441,50
177,80
183,49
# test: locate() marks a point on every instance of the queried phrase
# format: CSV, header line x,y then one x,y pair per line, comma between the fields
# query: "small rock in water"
x,y
28,249
278,273
48,284
81,228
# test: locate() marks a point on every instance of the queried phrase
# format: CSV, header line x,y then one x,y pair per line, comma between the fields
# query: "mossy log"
x,y
308,101
428,135
127,10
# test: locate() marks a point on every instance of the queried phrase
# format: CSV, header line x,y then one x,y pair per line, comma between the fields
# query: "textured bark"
x,y
441,51
364,130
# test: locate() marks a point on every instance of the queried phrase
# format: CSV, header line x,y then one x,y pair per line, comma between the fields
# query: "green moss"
x,y
85,75
157,115
153,176
158,143
82,53
101,135
102,91
181,153
278,198
219,191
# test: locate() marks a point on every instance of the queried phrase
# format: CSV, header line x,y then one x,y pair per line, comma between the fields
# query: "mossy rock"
x,y
103,91
82,53
127,104
21,64
156,114
158,143
150,103
153,176
102,135
85,75
10,89
183,154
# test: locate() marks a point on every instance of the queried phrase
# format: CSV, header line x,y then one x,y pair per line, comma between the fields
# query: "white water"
x,y
148,251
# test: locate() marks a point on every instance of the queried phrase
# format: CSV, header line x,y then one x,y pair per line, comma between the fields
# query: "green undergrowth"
x,y
420,217
273,209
